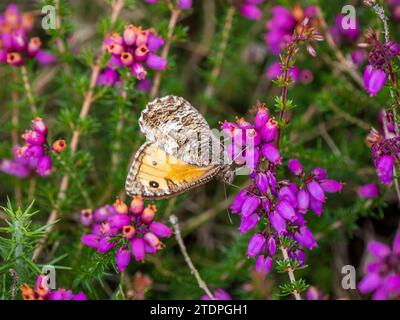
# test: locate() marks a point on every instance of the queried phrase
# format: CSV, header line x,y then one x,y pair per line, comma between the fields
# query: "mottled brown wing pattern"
x,y
154,174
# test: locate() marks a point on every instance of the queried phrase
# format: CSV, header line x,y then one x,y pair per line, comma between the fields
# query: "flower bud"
x,y
263,265
331,186
250,205
256,244
90,240
33,137
248,223
160,229
148,214
268,132
368,191
141,37
237,203
154,42
43,167
119,220
286,211
277,222
385,169
58,146
40,126
303,201
296,167
262,182
121,207
34,46
122,258
137,205
86,217
137,248
105,245
305,238
271,153
314,188
138,71
271,244
156,62
130,34
153,241
261,118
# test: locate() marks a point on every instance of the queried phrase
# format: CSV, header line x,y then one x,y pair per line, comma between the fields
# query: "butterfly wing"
x,y
176,127
155,174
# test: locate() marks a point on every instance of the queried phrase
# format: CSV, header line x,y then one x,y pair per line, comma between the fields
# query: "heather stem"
x,y
220,55
175,13
174,221
290,272
28,89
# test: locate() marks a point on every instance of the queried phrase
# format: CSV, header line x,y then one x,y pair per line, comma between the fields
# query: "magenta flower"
x,y
16,46
340,35
313,293
382,277
185,4
283,23
34,156
256,245
275,70
250,10
219,294
132,230
374,79
279,206
385,169
42,291
263,264
123,258
134,50
368,191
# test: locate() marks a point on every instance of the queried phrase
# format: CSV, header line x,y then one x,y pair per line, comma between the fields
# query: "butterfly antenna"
x,y
227,210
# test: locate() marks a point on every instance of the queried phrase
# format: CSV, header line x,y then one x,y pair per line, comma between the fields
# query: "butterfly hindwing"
x,y
156,174
176,127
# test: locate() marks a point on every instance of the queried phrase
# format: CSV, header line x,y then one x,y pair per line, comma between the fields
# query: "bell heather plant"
x,y
317,185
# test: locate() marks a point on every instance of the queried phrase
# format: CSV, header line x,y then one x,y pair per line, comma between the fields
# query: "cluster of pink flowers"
x,y
131,229
15,44
130,53
385,153
283,24
379,59
182,4
279,206
34,156
42,291
383,274
250,9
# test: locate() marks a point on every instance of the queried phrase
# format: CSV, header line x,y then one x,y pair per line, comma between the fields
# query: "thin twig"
x,y
28,89
175,13
116,10
174,221
290,272
345,66
209,92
